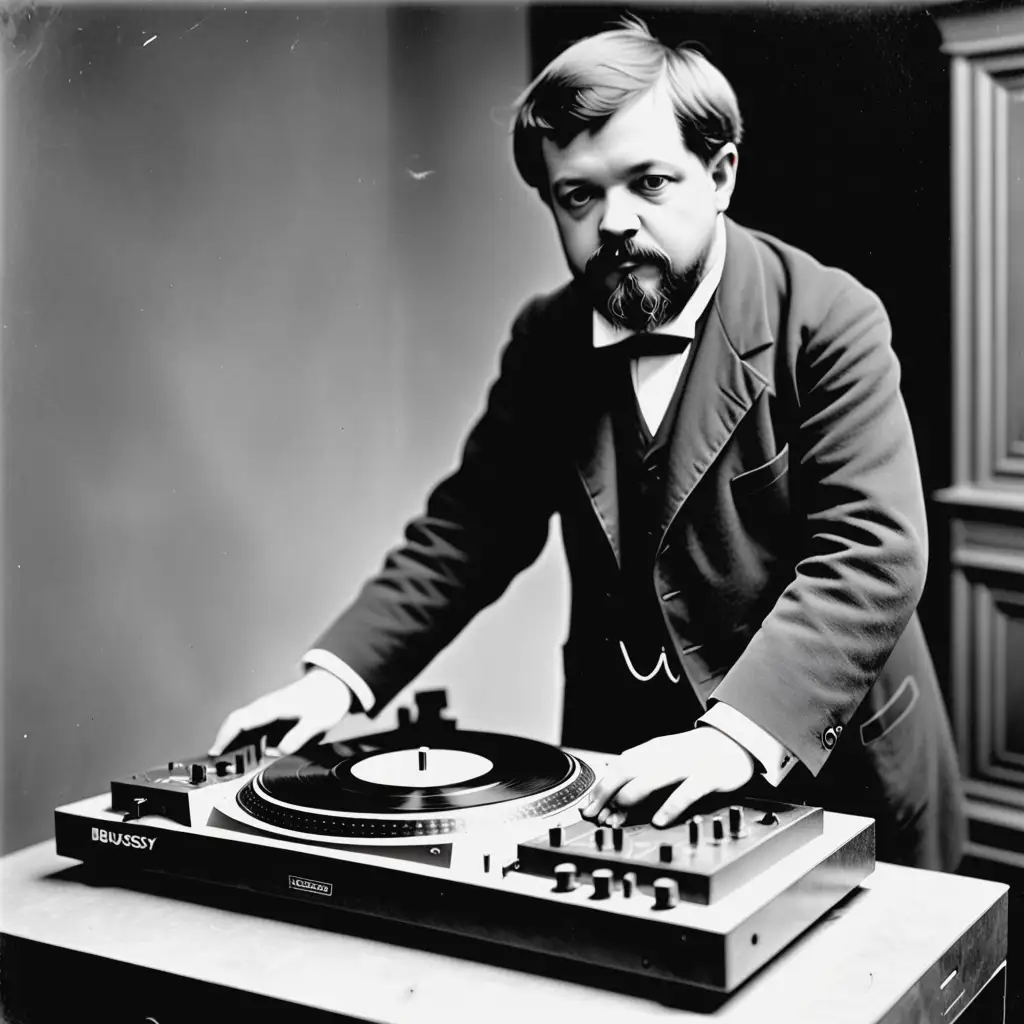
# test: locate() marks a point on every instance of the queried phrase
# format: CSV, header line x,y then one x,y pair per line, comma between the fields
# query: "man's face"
x,y
636,211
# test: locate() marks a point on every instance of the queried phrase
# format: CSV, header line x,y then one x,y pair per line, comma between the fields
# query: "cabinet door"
x,y
986,500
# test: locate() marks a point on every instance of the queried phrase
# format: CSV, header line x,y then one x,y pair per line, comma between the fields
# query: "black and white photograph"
x,y
512,511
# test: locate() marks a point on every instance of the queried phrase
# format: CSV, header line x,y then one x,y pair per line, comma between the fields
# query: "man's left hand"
x,y
703,760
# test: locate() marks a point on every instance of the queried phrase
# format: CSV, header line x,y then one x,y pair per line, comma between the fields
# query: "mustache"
x,y
611,254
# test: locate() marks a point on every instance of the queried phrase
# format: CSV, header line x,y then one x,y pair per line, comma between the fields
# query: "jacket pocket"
x,y
897,744
895,709
761,477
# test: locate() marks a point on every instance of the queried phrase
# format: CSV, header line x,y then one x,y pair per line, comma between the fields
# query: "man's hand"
x,y
703,760
318,700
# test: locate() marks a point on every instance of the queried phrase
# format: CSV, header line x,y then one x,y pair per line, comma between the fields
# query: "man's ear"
x,y
722,169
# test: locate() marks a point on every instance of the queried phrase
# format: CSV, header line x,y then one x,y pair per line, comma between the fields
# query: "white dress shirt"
x,y
654,381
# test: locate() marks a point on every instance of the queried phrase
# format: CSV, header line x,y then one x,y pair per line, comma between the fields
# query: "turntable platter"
x,y
383,788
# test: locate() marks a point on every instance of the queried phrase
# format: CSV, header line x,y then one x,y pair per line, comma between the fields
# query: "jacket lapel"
x,y
595,449
723,382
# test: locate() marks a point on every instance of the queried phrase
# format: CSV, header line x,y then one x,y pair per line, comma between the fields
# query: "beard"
x,y
631,304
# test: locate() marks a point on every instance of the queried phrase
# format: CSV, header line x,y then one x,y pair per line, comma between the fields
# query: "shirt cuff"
x,y
776,762
348,675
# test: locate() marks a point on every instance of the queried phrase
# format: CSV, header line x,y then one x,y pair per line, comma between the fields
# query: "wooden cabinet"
x,y
985,501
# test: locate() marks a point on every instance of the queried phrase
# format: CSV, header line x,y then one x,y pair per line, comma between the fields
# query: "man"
x,y
716,419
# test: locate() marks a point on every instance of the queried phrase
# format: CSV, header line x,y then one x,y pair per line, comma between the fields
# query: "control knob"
x,y
666,893
602,883
565,877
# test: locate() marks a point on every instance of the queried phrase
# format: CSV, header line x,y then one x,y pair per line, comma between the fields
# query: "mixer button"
x,y
565,877
666,893
736,822
602,883
695,829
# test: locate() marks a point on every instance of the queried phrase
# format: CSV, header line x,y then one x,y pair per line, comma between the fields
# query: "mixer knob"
x,y
665,853
197,773
717,829
736,822
421,756
602,883
600,838
239,764
555,835
565,877
628,884
222,768
695,829
262,750
171,765
618,839
770,818
666,893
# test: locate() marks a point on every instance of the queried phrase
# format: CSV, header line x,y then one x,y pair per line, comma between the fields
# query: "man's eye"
x,y
576,198
652,182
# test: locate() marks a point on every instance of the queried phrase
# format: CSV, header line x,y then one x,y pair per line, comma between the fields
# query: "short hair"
x,y
596,77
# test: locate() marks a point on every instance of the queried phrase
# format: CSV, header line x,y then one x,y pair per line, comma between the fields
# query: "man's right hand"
x,y
319,700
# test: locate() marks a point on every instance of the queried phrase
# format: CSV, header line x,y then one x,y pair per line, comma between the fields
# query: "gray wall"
x,y
241,340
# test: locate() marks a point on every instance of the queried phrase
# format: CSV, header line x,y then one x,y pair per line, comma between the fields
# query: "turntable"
x,y
479,834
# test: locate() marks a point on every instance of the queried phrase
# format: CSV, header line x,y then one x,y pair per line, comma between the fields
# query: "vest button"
x,y
829,737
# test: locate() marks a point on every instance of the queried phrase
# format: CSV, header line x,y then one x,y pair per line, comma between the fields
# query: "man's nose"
x,y
620,218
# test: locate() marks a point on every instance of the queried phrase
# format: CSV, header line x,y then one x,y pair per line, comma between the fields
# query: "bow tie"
x,y
646,344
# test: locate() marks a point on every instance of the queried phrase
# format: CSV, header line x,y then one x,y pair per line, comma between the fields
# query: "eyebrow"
x,y
635,169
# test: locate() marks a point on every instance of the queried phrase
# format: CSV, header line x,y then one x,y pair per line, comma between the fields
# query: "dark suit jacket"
x,y
793,537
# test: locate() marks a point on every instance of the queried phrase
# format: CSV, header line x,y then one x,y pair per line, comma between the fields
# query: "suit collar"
x,y
741,302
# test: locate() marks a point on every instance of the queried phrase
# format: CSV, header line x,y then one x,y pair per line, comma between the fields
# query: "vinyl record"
x,y
387,786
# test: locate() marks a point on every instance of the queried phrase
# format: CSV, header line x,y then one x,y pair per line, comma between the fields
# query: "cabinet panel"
x,y
1014,104
988,688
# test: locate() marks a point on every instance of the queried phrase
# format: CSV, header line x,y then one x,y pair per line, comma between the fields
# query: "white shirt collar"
x,y
684,325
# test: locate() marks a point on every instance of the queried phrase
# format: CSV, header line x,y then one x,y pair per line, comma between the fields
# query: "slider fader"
x,y
698,861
